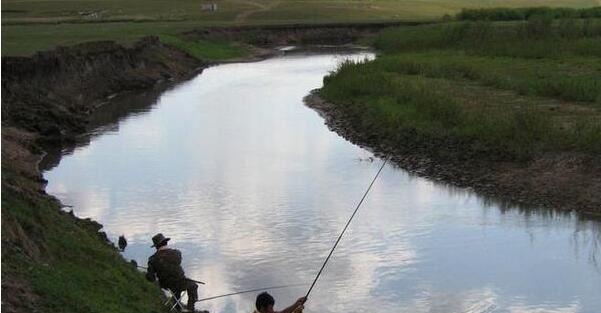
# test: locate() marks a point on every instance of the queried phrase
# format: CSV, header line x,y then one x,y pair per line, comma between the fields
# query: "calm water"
x,y
253,189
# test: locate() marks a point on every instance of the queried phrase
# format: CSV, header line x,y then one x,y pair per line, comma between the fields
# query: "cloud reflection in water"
x,y
253,189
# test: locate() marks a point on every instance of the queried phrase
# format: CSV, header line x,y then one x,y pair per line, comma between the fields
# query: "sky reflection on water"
x,y
253,189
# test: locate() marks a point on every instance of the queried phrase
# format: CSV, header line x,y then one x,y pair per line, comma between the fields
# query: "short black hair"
x,y
264,300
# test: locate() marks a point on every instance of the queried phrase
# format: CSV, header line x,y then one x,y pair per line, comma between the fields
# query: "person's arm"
x,y
150,272
293,307
178,257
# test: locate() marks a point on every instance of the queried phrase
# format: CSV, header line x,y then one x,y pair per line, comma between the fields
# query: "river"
x,y
253,188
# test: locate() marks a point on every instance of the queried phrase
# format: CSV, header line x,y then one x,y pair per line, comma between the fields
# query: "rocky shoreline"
x,y
568,182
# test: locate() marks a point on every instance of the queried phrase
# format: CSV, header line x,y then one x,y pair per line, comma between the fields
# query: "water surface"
x,y
253,189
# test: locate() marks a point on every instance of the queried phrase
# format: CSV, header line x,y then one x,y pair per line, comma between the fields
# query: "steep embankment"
x,y
51,260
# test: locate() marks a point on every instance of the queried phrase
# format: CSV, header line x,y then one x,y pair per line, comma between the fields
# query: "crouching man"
x,y
166,265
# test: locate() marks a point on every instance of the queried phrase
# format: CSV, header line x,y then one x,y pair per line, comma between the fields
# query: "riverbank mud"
x,y
559,181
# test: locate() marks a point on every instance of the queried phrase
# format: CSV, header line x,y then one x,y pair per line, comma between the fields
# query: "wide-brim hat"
x,y
158,239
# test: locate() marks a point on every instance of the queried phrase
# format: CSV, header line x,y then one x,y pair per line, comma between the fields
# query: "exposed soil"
x,y
47,101
566,181
52,93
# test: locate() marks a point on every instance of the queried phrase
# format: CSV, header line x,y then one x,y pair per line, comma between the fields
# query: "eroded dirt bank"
x,y
558,181
47,100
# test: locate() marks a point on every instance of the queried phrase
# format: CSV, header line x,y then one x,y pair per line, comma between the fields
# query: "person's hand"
x,y
301,300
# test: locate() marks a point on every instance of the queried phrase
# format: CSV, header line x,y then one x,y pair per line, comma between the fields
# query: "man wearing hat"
x,y
166,265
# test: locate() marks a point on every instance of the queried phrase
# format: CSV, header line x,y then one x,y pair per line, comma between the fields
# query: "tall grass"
x,y
573,80
536,38
517,14
388,104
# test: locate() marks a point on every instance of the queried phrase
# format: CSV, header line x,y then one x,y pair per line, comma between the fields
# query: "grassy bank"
x,y
30,26
52,262
510,91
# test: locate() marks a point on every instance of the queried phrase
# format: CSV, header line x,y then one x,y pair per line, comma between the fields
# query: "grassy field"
x,y
506,90
33,25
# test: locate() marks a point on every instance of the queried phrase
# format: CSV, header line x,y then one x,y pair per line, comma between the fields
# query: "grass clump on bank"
x,y
495,90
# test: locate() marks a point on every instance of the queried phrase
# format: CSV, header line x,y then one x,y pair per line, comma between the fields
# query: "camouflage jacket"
x,y
166,265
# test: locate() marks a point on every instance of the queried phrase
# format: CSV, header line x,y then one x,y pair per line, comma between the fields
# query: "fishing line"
x,y
322,266
345,227
250,290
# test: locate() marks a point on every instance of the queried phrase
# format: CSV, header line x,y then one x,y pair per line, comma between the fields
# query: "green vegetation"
x,y
537,38
508,91
207,50
31,25
66,266
519,14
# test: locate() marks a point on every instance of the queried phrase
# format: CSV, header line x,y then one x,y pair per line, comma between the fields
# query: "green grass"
x,y
516,14
537,38
69,269
454,83
207,50
29,26
573,79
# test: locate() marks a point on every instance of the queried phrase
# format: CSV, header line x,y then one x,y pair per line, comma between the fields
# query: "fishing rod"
x,y
346,226
190,279
249,290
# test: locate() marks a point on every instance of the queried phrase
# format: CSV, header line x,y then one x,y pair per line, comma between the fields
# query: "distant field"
x,y
30,26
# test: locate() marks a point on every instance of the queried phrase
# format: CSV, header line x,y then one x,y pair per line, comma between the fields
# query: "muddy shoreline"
x,y
557,182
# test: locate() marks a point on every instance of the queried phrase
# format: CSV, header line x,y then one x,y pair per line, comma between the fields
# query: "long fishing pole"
x,y
345,227
249,290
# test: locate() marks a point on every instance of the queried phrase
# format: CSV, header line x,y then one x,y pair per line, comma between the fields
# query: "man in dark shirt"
x,y
166,265
265,303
